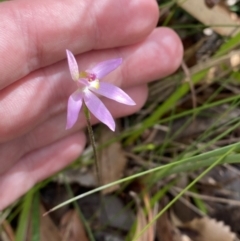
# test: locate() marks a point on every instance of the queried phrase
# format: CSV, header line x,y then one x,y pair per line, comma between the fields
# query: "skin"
x,y
35,81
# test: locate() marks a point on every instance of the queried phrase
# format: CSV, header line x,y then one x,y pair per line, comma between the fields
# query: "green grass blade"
x,y
36,217
229,45
219,160
166,106
183,165
24,217
199,202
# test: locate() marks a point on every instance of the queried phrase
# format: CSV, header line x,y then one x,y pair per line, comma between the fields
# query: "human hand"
x,y
35,81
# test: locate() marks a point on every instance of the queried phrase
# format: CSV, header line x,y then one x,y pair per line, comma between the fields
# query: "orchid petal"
x,y
73,67
98,109
74,106
113,92
105,67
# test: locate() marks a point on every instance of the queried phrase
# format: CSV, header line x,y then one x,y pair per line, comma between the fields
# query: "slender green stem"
x,y
92,140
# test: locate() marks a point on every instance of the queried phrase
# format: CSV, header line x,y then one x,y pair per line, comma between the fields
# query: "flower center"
x,y
91,77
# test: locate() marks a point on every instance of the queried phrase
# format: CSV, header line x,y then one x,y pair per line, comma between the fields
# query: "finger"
x,y
39,31
157,56
37,166
54,129
44,93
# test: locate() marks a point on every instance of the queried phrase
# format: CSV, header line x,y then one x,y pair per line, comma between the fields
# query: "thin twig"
x,y
188,204
209,198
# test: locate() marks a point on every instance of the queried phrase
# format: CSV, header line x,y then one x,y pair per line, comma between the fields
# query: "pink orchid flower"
x,y
88,83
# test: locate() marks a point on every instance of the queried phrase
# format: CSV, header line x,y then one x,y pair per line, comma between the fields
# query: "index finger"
x,y
36,33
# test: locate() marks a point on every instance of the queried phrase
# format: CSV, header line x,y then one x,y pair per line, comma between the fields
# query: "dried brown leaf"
x,y
112,160
210,229
211,3
48,230
150,216
143,220
71,227
4,236
166,231
141,224
235,61
219,15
